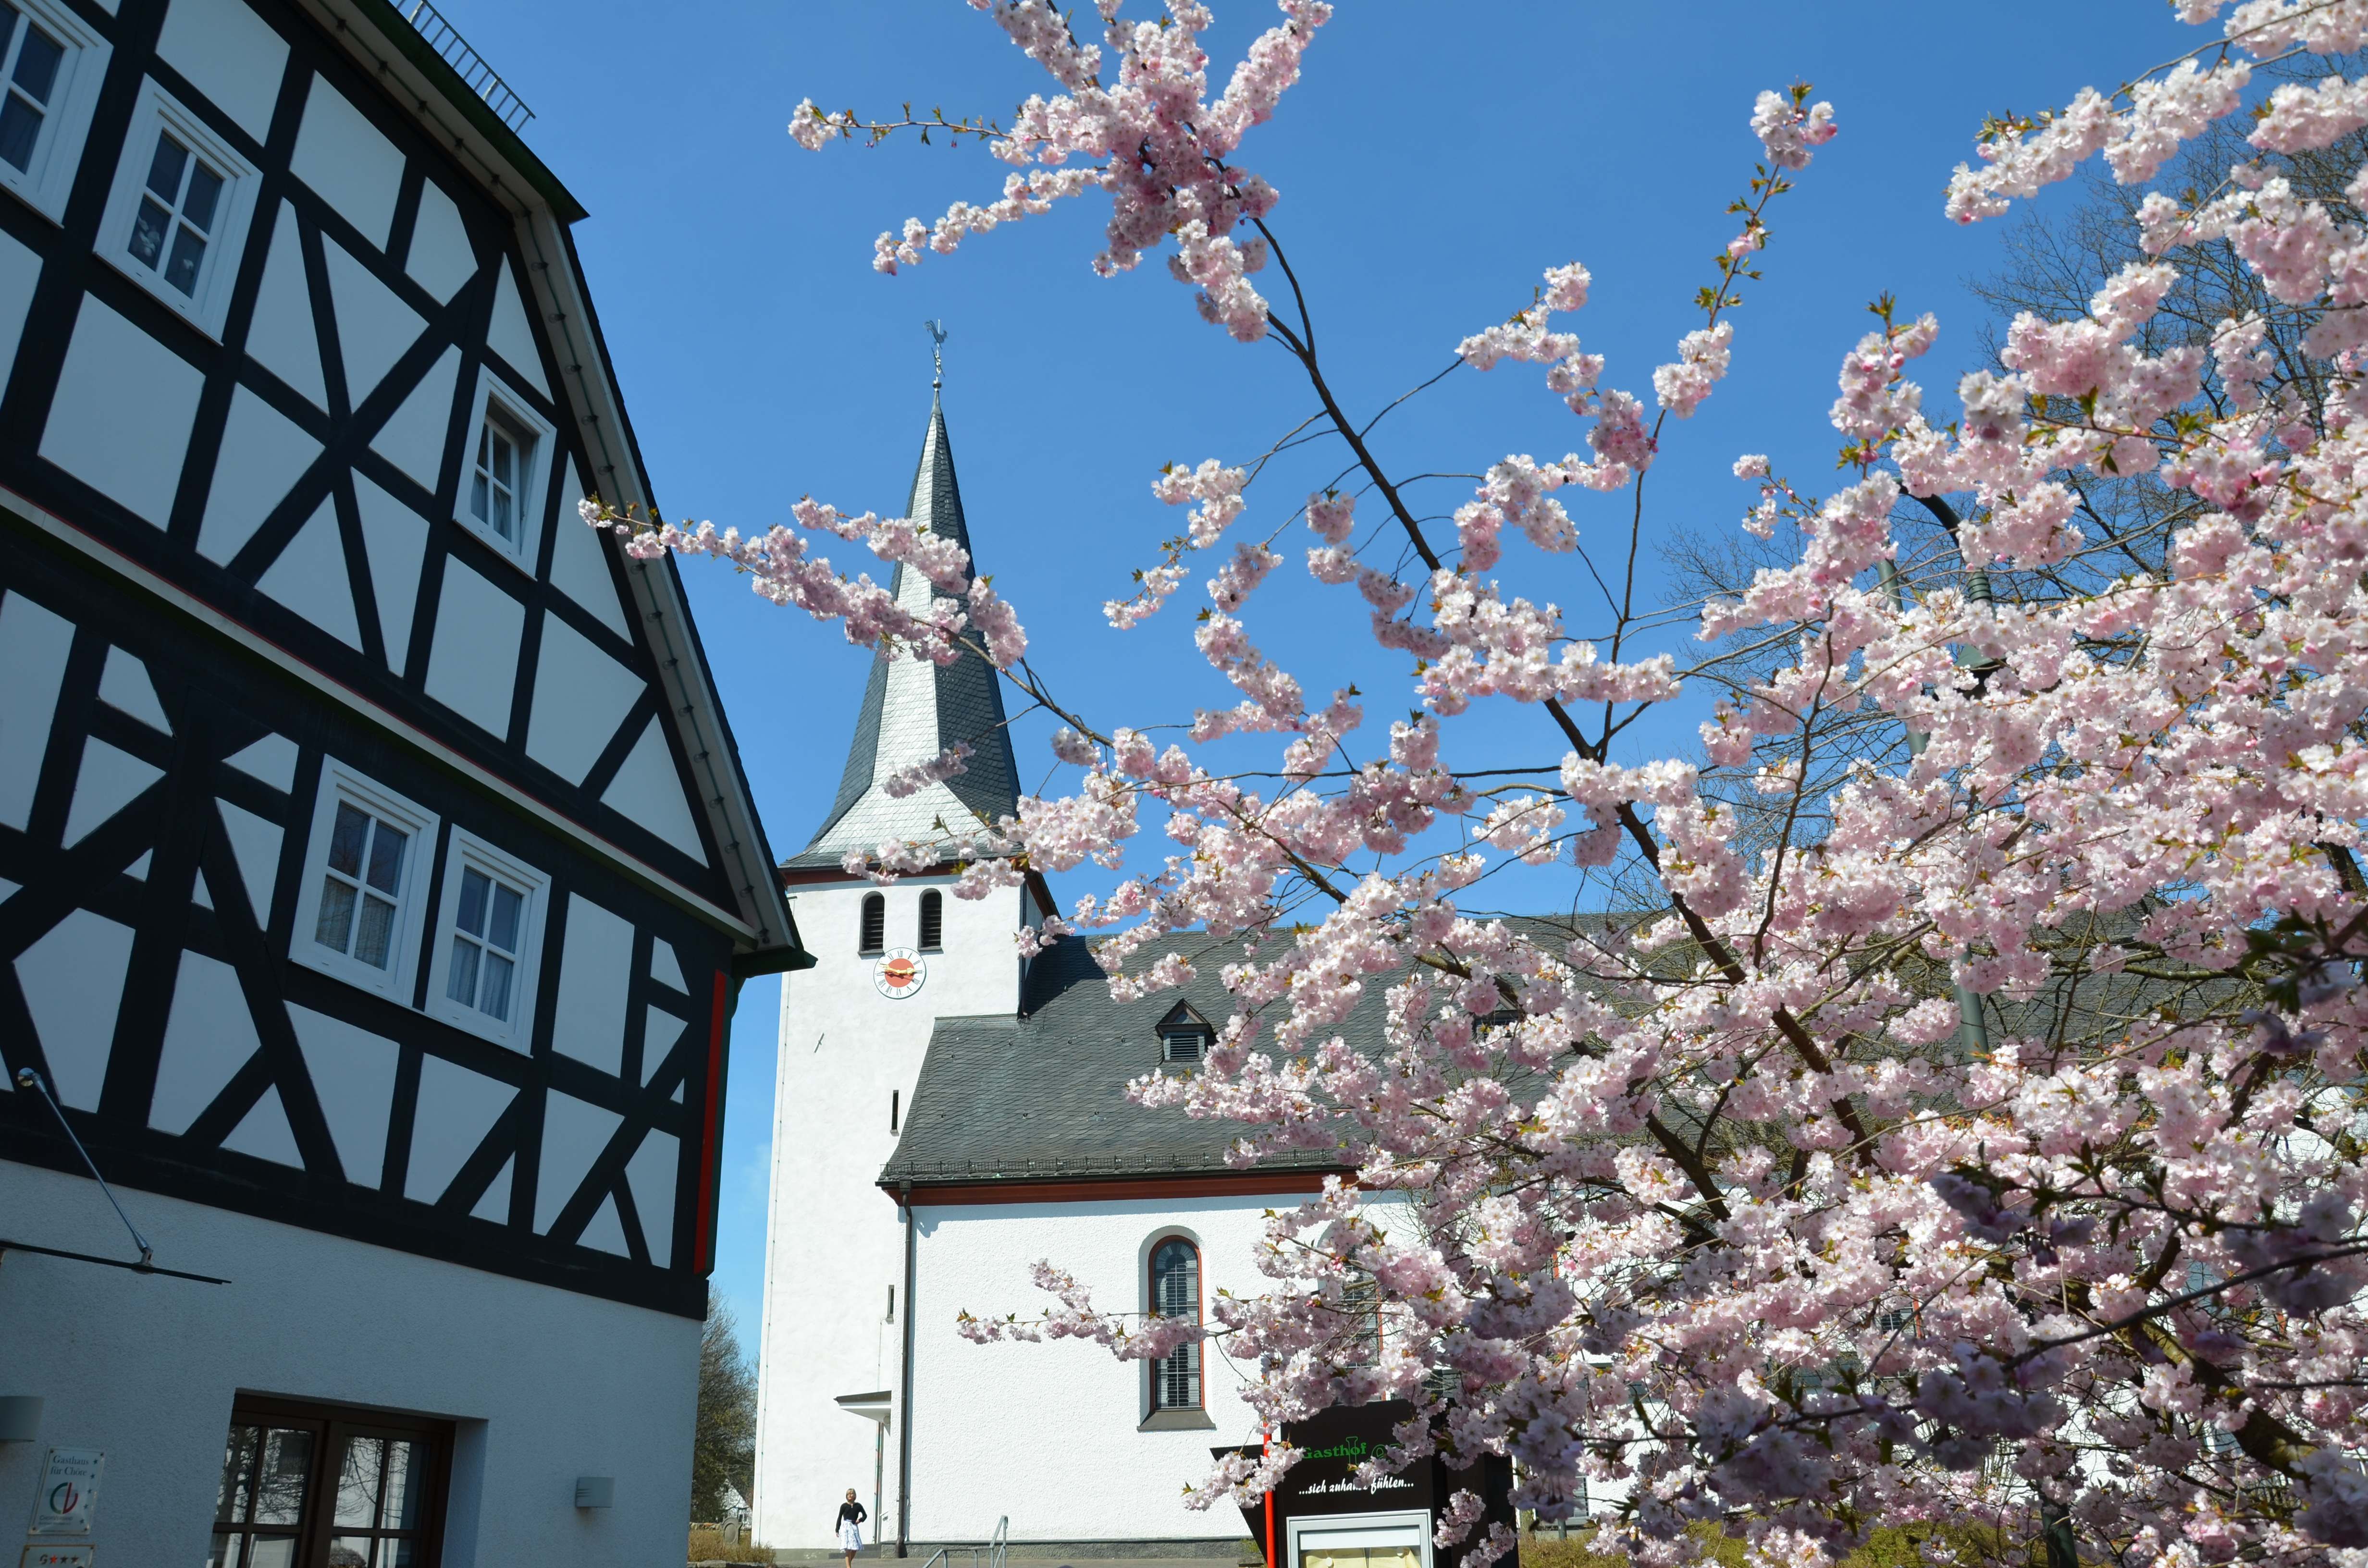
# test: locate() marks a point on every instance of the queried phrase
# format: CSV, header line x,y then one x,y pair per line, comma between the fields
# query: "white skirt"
x,y
850,1537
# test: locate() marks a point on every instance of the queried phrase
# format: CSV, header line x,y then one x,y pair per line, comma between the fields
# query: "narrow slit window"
x,y
497,482
892,1097
933,921
873,937
30,59
361,887
1175,1293
485,939
174,220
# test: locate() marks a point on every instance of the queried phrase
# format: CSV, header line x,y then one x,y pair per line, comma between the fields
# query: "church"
x,y
947,1114
377,871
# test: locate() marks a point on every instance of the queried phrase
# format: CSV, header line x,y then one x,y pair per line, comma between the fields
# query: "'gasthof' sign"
x,y
69,1493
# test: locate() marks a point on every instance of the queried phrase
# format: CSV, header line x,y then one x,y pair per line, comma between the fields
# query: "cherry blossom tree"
x,y
1968,1126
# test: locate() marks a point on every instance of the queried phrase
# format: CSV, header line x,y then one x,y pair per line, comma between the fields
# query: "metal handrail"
x,y
481,78
997,1549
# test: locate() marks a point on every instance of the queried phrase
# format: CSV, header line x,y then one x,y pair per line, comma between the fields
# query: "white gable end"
x,y
117,378
579,568
647,790
348,162
310,577
413,437
373,326
263,455
230,54
512,332
441,259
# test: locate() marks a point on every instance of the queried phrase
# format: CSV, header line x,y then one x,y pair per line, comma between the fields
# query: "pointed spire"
x,y
913,709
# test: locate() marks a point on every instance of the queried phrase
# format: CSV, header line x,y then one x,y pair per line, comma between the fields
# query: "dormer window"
x,y
1184,1035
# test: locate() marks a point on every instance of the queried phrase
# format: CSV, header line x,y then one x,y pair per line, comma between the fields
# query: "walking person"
x,y
851,1527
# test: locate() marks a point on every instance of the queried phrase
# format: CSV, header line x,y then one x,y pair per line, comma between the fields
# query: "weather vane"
x,y
938,351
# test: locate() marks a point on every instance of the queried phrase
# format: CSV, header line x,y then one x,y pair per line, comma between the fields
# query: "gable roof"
x,y
912,708
1043,1094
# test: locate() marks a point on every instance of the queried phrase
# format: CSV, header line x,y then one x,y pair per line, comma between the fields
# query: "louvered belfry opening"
x,y
933,921
874,935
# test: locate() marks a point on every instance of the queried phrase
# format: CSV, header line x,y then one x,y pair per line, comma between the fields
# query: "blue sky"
x,y
1431,167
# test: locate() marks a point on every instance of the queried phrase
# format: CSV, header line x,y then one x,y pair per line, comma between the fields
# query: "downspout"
x,y
904,1438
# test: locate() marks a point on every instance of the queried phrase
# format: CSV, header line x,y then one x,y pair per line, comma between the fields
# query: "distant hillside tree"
x,y
724,1449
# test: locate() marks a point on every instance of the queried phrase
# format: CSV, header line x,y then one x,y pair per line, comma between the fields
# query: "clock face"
x,y
899,973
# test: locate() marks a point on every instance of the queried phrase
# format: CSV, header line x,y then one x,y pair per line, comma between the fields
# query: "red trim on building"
x,y
925,1195
711,1144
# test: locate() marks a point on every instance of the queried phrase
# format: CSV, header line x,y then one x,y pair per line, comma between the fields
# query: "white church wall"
x,y
835,1245
545,1384
1049,1434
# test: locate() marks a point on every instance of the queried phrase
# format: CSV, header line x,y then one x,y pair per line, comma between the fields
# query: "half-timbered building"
x,y
377,872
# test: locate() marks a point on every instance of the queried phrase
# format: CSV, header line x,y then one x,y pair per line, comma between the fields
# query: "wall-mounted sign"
x,y
899,972
57,1557
1323,1517
69,1493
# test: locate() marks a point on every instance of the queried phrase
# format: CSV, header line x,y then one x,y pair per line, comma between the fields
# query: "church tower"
x,y
891,962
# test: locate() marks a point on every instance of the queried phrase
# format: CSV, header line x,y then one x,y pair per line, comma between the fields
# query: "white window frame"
x,y
468,850
57,153
158,111
534,488
1397,1525
340,782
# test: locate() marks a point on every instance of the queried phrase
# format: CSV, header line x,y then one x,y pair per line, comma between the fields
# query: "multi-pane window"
x,y
376,1520
183,199
486,933
305,1488
30,59
362,886
505,472
178,208
498,478
488,926
1175,1293
259,1511
933,921
366,870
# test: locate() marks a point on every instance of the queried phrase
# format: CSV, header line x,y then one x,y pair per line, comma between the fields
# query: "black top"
x,y
851,1511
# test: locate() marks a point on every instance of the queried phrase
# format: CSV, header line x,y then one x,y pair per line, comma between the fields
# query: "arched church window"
x,y
933,921
1175,1293
874,937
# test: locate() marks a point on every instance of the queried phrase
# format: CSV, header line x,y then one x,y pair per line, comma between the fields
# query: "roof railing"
x,y
481,78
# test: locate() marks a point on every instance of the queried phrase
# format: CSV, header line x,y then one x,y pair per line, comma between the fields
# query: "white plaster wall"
x,y
834,1242
546,1385
1048,1434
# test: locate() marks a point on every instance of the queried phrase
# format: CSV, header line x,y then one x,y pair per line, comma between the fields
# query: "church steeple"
x,y
913,709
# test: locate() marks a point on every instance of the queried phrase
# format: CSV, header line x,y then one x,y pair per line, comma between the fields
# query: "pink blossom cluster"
x,y
1982,1142
1159,147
